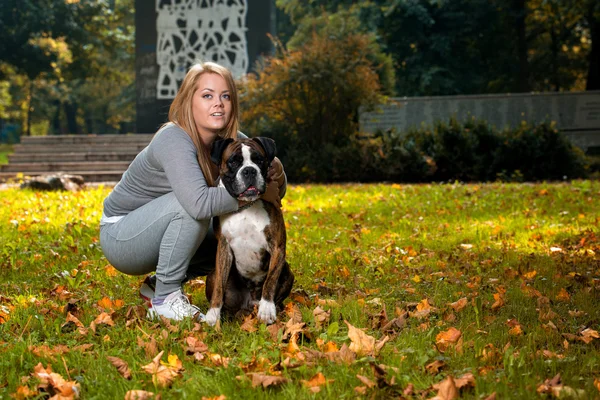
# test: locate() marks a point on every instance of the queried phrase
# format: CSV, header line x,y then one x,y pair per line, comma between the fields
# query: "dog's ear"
x,y
217,149
268,145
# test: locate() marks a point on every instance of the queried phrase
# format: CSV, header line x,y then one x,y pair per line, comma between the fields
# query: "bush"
x,y
538,152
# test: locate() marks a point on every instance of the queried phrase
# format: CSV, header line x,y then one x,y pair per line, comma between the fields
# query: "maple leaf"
x,y
163,374
71,324
459,304
321,317
292,329
449,338
264,380
121,366
138,395
588,335
218,360
423,309
363,344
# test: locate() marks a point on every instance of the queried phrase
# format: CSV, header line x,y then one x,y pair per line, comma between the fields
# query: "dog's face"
x,y
243,165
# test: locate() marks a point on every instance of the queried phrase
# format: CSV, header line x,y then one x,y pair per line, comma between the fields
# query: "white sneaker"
x,y
176,306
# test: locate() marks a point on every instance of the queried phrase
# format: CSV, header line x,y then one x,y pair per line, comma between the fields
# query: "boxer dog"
x,y
250,268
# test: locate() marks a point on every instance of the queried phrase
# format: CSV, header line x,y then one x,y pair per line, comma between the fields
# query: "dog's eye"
x,y
257,158
234,162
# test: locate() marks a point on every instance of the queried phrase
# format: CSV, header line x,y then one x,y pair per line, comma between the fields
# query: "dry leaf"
x,y
459,304
316,382
150,348
250,324
447,339
260,379
138,395
363,344
221,397
366,381
162,375
321,317
293,312
587,335
195,345
102,319
23,392
446,390
121,366
54,384
435,367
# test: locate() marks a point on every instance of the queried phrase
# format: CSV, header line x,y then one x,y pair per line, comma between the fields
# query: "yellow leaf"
x,y
563,295
416,279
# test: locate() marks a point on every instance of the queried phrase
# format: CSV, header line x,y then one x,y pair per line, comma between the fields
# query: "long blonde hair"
x,y
181,115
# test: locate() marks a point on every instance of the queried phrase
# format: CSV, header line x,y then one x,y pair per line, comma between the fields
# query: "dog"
x,y
251,268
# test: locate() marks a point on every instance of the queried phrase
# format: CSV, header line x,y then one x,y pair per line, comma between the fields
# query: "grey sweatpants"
x,y
160,236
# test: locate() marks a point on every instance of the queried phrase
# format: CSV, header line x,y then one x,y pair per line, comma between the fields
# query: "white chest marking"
x,y
245,232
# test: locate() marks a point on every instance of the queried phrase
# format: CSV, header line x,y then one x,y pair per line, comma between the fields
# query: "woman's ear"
x,y
268,145
217,149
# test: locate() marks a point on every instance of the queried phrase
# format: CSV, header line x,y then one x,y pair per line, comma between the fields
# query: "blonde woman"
x,y
158,217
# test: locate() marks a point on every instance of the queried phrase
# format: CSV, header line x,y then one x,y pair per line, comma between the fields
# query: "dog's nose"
x,y
249,172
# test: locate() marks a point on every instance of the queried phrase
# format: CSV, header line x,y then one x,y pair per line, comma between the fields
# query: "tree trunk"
x,y
520,11
593,77
56,119
71,114
29,99
554,79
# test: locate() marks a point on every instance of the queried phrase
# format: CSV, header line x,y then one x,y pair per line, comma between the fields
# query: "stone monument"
x,y
171,35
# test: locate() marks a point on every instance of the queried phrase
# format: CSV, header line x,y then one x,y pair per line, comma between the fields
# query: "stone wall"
x,y
577,114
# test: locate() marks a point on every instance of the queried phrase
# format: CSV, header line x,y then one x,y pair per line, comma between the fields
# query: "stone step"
x,y
88,176
76,148
18,158
86,139
66,167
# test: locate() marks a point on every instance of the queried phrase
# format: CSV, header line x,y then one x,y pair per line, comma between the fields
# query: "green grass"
x,y
5,150
535,246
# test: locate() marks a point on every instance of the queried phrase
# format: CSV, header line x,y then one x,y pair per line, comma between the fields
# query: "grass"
x,y
525,257
5,150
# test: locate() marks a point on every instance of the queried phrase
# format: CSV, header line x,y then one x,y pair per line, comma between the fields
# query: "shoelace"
x,y
182,305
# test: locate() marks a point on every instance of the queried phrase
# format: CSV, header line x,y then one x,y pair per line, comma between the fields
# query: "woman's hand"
x,y
275,179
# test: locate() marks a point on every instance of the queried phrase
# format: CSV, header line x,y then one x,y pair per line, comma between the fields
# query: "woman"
x,y
158,217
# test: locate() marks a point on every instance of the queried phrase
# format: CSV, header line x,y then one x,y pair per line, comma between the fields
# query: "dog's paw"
x,y
267,311
212,316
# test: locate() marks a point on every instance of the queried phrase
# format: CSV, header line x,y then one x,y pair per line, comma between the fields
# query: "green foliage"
x,y
312,95
472,151
538,152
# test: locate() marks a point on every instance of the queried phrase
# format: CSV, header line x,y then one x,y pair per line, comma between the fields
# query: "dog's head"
x,y
243,165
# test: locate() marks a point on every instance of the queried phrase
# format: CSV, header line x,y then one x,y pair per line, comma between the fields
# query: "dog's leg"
x,y
284,287
267,311
223,266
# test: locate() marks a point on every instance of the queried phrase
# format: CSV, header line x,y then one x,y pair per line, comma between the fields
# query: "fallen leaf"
x,y
162,375
250,324
138,395
587,335
264,380
447,339
54,384
121,366
23,392
366,381
446,390
459,304
102,319
316,382
435,367
321,317
293,312
195,345
363,344
563,295
150,347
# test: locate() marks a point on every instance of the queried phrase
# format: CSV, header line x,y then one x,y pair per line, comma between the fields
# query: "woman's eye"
x,y
207,96
226,97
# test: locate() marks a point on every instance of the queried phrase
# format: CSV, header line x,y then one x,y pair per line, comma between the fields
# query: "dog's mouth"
x,y
250,192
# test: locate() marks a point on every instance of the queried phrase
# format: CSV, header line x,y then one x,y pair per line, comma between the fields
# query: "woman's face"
x,y
211,105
